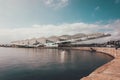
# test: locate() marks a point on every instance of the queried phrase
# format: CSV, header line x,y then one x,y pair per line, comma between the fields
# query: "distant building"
x,y
25,42
53,38
50,44
79,35
63,40
41,40
32,41
17,42
65,37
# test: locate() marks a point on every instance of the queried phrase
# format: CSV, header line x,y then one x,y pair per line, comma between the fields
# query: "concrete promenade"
x,y
109,71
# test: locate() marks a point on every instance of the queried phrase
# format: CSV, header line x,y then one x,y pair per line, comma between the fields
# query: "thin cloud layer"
x,y
35,31
97,8
117,1
56,3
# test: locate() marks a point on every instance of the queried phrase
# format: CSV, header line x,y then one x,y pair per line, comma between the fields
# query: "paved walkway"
x,y
109,71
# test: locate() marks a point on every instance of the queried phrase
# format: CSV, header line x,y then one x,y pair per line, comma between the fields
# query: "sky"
x,y
25,19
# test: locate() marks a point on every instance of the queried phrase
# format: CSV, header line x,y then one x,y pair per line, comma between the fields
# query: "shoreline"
x,y
108,71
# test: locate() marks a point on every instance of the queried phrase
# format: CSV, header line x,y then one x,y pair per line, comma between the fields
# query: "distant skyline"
x,y
22,19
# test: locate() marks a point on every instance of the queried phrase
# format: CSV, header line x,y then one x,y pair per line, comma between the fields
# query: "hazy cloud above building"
x,y
37,30
22,19
117,1
55,4
97,8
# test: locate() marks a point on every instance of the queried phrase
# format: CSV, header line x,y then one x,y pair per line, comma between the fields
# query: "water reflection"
x,y
48,64
62,56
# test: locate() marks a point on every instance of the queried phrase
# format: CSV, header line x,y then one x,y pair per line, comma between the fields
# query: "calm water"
x,y
48,64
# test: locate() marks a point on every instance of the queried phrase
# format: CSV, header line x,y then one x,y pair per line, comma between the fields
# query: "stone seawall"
x,y
110,51
109,71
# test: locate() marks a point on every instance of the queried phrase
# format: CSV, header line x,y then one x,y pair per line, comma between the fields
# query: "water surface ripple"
x,y
48,64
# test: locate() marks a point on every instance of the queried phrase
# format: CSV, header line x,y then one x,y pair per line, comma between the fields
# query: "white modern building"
x,y
41,40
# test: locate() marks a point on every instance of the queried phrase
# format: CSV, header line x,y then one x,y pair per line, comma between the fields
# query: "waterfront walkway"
x,y
109,71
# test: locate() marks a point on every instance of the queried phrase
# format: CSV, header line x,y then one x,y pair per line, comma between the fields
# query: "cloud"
x,y
117,1
56,3
116,29
97,8
8,35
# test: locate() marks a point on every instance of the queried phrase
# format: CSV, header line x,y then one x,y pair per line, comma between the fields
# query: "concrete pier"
x,y
109,71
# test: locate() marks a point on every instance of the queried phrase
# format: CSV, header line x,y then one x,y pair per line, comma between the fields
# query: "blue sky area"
x,y
23,13
22,19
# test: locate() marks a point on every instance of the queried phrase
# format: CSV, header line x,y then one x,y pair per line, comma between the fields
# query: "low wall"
x,y
110,51
109,71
